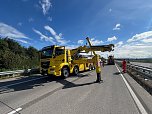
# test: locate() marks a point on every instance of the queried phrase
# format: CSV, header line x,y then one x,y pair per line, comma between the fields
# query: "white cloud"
x,y
139,46
95,42
49,18
71,46
50,29
147,40
58,37
23,41
132,50
80,42
11,32
142,36
119,44
42,36
117,27
112,38
45,5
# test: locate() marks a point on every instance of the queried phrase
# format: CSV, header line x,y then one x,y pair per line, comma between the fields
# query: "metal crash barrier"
x,y
15,73
145,72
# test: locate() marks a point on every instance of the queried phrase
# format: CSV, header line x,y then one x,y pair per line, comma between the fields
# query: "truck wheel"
x,y
90,67
93,67
42,73
76,70
65,72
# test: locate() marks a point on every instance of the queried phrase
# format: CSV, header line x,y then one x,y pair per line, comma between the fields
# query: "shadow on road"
x,y
41,82
24,86
116,73
68,84
71,85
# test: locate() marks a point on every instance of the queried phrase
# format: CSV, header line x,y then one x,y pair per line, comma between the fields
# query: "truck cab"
x,y
53,59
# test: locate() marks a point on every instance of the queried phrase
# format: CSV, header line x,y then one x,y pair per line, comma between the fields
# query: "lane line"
x,y
22,82
137,101
15,111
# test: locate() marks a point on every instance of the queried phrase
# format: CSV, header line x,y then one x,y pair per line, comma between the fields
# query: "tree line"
x,y
14,56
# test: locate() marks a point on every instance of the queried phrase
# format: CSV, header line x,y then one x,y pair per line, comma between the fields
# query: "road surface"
x,y
75,95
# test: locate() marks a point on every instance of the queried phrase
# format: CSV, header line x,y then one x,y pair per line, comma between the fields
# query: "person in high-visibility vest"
x,y
124,64
98,70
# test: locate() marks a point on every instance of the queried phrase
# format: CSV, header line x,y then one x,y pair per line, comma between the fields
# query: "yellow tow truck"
x,y
110,60
59,61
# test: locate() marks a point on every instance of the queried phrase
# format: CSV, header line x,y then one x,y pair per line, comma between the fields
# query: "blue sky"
x,y
39,23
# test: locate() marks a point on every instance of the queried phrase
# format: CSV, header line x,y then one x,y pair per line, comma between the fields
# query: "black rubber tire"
x,y
42,73
93,67
90,67
76,70
65,72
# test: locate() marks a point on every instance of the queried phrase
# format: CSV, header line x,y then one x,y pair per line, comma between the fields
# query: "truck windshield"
x,y
47,53
59,51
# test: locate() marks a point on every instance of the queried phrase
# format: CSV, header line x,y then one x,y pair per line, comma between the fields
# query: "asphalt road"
x,y
75,95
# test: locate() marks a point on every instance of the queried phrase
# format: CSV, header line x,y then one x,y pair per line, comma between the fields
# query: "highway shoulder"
x,y
144,97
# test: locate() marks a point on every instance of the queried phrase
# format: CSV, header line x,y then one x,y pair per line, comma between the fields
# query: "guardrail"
x,y
146,72
17,73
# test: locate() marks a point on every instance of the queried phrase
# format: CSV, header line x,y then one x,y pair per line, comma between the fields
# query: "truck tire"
x,y
76,70
93,67
65,72
42,73
90,67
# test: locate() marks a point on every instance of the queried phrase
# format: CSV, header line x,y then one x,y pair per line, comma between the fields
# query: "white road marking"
x,y
14,111
22,82
138,103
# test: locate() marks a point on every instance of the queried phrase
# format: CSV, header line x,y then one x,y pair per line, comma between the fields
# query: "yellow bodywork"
x,y
55,66
57,63
67,58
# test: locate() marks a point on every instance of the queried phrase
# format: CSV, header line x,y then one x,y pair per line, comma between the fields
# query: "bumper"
x,y
50,71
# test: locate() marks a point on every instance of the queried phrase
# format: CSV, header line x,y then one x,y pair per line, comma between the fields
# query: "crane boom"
x,y
101,48
89,48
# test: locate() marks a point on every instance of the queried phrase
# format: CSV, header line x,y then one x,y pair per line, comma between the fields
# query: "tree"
x,y
15,56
